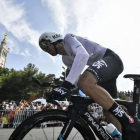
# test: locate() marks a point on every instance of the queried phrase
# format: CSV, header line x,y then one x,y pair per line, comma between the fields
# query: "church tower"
x,y
3,52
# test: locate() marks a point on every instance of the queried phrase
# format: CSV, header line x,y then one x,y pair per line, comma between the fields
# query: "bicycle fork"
x,y
68,125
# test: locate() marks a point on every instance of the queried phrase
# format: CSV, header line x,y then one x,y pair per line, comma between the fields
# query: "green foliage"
x,y
122,96
17,85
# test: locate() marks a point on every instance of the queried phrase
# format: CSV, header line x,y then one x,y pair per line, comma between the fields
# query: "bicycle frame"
x,y
96,127
78,109
133,106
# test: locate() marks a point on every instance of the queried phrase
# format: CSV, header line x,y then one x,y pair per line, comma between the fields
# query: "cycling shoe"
x,y
132,130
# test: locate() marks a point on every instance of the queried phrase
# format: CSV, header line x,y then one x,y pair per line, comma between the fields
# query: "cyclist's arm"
x,y
68,63
80,60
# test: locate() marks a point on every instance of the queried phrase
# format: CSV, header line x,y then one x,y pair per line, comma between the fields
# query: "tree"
x,y
16,85
122,96
3,71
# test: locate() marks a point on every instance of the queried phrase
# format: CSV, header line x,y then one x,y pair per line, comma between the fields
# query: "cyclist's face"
x,y
50,49
47,47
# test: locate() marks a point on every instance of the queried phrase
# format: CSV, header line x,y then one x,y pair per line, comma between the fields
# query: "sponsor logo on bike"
x,y
99,64
137,90
60,91
137,109
99,128
66,128
119,111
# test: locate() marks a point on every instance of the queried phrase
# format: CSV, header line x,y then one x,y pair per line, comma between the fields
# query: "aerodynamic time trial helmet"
x,y
48,38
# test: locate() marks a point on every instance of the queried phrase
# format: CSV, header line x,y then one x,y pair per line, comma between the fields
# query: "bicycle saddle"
x,y
132,76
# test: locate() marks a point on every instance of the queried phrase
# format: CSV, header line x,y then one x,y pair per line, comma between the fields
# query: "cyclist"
x,y
98,81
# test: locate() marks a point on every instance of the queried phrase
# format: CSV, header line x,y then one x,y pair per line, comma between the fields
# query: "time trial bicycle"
x,y
77,122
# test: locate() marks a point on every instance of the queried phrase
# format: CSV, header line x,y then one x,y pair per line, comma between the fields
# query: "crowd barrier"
x,y
13,119
22,115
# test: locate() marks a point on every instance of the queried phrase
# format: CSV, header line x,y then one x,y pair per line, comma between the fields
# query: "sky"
x,y
110,23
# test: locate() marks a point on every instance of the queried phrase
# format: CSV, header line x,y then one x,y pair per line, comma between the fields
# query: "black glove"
x,y
63,91
67,85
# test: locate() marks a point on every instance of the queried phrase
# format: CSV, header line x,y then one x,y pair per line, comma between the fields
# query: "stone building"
x,y
3,52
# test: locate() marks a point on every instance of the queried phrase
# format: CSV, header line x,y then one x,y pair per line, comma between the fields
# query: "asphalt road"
x,y
38,134
5,133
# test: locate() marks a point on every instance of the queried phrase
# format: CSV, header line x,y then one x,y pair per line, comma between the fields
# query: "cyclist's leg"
x,y
87,84
112,120
102,97
111,88
101,71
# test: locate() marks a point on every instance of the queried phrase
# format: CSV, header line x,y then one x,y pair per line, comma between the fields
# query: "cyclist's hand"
x,y
60,92
63,91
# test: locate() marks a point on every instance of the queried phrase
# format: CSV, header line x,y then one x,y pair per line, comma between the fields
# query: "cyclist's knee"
x,y
85,81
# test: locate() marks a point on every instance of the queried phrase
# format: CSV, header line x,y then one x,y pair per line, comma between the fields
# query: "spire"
x,y
5,37
3,51
3,43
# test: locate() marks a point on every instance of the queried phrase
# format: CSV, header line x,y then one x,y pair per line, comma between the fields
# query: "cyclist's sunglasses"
x,y
44,44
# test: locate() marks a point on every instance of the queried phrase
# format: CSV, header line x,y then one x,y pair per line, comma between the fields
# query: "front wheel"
x,y
51,123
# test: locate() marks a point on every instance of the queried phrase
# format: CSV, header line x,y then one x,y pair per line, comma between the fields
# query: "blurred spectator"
x,y
47,106
42,107
64,106
53,106
14,106
13,102
102,120
20,106
37,107
93,107
21,103
3,105
10,107
95,114
32,107
100,111
27,106
10,114
4,120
